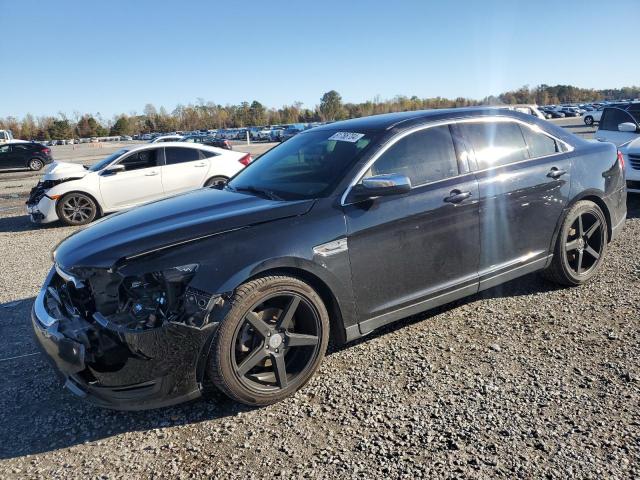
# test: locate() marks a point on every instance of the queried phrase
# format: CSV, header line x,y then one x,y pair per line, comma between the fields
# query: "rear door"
x,y
524,181
609,126
185,169
140,182
7,157
409,251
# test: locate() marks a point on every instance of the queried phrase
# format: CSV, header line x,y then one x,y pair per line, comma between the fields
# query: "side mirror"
x,y
381,186
627,127
113,169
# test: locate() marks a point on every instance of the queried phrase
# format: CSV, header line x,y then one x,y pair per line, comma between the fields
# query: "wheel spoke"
x,y
284,322
261,327
579,266
592,229
572,245
252,360
301,340
280,369
592,252
580,227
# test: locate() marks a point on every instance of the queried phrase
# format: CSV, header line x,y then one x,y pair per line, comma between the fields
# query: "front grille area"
x,y
633,185
634,161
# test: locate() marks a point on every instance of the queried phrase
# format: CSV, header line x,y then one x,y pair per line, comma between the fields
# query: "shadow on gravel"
x,y
527,285
37,415
21,223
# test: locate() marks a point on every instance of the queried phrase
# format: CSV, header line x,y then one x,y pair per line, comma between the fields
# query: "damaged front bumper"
x,y
117,368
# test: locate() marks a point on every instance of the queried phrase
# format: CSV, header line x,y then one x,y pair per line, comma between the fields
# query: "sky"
x,y
117,56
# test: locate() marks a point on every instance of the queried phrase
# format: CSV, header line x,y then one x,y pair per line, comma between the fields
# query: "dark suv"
x,y
334,233
24,155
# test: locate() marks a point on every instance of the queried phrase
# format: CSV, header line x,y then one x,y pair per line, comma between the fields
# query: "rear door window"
x,y
539,144
175,155
495,143
424,156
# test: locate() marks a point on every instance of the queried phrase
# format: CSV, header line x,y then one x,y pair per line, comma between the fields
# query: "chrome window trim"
x,y
535,128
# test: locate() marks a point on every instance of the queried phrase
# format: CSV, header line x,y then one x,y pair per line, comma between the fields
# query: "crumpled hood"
x,y
61,170
190,216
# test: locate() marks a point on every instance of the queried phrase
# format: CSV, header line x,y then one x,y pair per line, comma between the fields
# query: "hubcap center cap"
x,y
580,243
275,340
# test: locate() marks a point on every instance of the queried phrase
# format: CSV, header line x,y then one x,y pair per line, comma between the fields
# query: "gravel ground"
x,y
524,380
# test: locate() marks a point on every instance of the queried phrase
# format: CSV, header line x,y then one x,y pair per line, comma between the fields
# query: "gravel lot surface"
x,y
525,380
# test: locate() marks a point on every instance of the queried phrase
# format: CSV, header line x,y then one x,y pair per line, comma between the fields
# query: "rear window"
x,y
495,143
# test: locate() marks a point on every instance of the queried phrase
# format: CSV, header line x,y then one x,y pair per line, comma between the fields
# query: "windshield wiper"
x,y
270,194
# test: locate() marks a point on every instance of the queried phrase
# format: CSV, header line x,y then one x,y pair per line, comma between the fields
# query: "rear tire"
x,y
581,245
271,341
76,209
35,164
588,120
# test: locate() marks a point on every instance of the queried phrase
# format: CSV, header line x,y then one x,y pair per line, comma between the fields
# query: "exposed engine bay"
x,y
120,322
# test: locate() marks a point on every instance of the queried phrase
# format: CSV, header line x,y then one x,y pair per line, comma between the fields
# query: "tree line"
x,y
210,115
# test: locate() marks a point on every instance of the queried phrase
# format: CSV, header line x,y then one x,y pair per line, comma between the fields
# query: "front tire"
x,y
76,209
35,164
580,247
270,342
588,120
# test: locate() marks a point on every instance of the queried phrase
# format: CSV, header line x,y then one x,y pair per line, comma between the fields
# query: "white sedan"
x,y
77,195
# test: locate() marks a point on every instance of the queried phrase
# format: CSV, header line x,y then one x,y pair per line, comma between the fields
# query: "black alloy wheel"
x,y
271,341
581,245
76,209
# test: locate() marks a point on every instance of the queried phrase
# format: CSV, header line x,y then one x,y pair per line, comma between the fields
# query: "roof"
x,y
387,121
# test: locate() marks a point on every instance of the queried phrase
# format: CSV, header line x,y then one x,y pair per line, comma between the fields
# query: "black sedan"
x,y
29,155
334,233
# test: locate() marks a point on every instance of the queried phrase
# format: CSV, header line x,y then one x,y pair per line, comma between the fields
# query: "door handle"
x,y
555,172
456,196
200,165
151,174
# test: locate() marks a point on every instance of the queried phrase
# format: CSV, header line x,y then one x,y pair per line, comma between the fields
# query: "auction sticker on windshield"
x,y
346,136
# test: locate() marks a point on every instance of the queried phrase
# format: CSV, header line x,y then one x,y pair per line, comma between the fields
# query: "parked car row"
x,y
336,232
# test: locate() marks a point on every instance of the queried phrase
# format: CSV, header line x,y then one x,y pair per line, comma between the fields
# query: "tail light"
x,y
246,160
621,159
46,151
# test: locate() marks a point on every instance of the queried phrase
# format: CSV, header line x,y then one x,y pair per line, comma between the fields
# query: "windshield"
x,y
106,161
306,166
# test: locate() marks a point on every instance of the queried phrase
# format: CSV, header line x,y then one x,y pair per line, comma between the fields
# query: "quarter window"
x,y
540,145
612,117
142,159
175,155
424,156
495,143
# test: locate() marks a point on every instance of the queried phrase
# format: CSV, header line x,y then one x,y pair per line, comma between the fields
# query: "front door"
x,y
413,251
140,182
609,126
